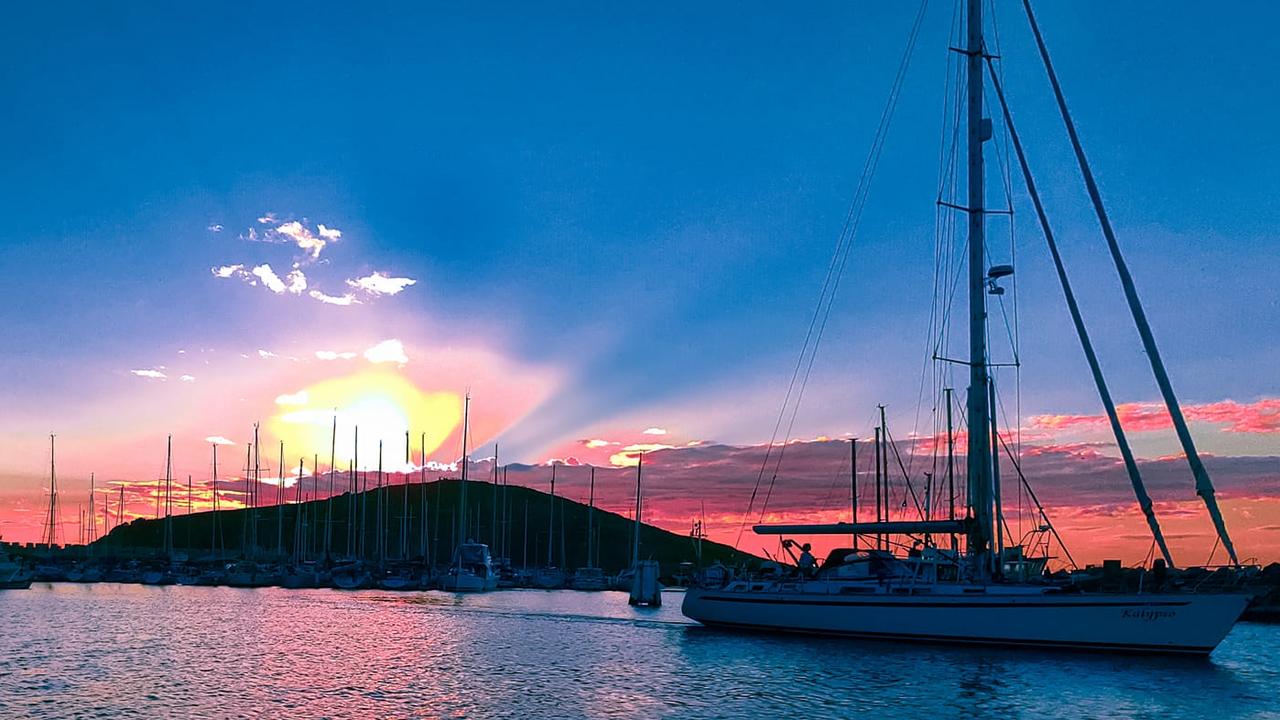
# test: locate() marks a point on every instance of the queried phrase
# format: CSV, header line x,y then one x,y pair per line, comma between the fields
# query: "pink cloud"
x,y
1260,417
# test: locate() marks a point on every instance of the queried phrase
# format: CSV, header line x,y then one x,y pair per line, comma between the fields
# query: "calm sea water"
x,y
134,651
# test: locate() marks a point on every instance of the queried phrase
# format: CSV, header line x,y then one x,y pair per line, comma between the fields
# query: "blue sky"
x,y
639,199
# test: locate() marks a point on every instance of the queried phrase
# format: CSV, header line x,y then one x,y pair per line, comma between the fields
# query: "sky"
x,y
609,225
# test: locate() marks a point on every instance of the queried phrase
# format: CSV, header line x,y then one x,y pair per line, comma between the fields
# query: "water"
x,y
135,651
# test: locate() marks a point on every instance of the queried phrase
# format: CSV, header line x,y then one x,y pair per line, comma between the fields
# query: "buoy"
x,y
645,588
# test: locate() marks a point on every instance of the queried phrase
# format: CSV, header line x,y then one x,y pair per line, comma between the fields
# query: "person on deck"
x,y
806,561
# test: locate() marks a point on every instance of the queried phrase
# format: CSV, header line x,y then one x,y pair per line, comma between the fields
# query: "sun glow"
x,y
384,405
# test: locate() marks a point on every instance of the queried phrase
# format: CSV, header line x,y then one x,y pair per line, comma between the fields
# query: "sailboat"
x,y
163,573
13,574
645,587
550,576
471,568
590,577
981,593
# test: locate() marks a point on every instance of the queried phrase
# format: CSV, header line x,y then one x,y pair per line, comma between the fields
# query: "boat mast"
x,y
404,501
355,522
564,558
853,484
168,497
551,520
462,498
995,477
591,511
493,507
884,476
298,521
951,465
93,519
257,489
979,412
422,496
635,546
280,505
313,538
328,513
380,547
213,487
879,504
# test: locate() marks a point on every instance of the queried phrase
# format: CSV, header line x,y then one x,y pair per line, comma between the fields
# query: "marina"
x,y
886,360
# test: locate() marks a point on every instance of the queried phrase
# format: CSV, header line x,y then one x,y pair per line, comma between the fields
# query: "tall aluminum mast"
x,y
979,411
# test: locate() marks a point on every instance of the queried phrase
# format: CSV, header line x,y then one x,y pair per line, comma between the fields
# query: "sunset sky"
x,y
610,227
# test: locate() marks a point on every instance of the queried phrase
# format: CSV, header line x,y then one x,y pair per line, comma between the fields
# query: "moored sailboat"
x,y
13,574
988,592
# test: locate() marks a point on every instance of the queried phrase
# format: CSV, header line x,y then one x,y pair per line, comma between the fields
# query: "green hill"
x,y
229,532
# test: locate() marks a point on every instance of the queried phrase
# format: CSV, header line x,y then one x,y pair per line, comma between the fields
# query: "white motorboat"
x,y
470,571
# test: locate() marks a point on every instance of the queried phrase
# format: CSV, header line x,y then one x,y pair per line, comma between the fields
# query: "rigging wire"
x,y
851,224
831,283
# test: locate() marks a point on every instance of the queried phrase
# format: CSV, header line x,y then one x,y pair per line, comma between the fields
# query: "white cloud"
x,y
269,278
593,444
329,233
218,440
387,351
303,238
151,374
268,219
297,282
187,378
655,431
379,283
266,354
215,228
332,355
345,299
298,398
629,456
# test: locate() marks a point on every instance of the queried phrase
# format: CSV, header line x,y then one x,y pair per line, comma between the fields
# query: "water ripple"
x,y
72,651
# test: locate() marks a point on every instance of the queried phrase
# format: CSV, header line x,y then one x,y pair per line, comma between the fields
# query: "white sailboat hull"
x,y
1172,623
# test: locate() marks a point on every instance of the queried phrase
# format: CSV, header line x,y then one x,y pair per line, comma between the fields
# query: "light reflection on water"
x,y
136,651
